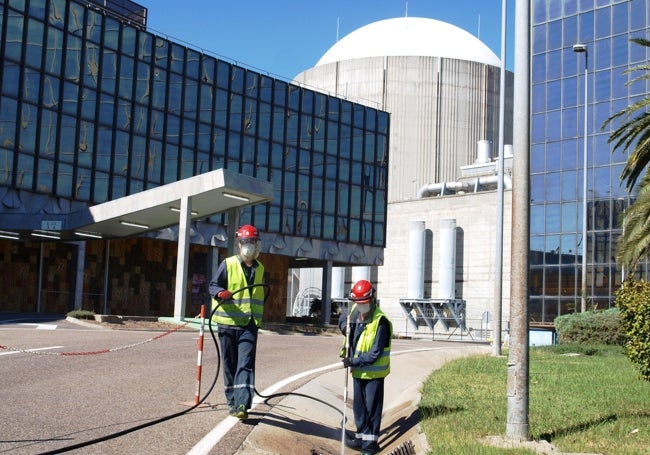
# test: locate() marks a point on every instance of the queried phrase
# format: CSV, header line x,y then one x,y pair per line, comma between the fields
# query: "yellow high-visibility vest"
x,y
381,367
244,305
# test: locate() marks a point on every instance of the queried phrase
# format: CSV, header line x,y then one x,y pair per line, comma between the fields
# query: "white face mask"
x,y
363,307
249,250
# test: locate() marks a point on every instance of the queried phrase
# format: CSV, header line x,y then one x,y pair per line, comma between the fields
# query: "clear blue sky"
x,y
285,37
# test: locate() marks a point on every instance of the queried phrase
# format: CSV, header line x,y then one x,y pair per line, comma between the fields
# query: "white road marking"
x,y
211,439
30,350
41,326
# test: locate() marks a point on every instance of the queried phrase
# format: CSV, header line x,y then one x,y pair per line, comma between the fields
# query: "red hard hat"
x,y
247,231
362,292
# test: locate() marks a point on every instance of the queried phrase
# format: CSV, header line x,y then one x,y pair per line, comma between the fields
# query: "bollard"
x,y
199,359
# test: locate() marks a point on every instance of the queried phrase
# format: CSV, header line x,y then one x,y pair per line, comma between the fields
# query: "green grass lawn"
x,y
587,403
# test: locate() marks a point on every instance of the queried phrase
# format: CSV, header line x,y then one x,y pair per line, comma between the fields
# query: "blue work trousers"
x,y
367,406
238,347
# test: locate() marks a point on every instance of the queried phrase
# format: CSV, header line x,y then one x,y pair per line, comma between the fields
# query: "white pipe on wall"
x,y
416,260
361,273
447,259
338,282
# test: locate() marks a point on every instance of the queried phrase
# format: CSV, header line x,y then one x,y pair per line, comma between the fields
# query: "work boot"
x,y
240,412
353,443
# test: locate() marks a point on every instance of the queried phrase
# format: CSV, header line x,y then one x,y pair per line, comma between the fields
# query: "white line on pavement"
x,y
205,445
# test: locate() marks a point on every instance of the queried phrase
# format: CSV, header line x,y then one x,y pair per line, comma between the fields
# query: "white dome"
x,y
410,36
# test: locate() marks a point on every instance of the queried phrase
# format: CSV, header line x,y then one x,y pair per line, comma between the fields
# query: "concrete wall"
x,y
475,215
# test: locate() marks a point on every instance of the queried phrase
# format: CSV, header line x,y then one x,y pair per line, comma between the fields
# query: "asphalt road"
x,y
67,387
81,384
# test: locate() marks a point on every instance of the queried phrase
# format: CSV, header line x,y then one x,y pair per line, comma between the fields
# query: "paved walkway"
x,y
297,425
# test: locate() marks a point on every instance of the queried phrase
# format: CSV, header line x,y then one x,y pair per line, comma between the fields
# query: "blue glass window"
x,y
537,188
537,158
570,186
620,46
127,68
554,38
192,64
638,14
554,118
94,26
237,78
570,122
539,40
602,89
190,99
537,219
104,149
570,7
586,27
26,179
553,218
603,57
34,44
539,11
553,187
603,22
569,154
76,15
14,39
539,68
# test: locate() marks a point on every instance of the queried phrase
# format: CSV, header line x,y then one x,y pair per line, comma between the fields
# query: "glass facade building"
x,y
93,108
558,105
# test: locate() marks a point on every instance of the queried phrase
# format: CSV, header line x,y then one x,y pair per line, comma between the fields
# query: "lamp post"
x,y
582,48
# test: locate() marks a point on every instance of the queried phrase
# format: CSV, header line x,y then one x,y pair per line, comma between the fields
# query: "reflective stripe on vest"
x,y
245,304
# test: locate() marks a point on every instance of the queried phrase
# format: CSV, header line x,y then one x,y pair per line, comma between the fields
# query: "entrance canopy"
x,y
214,192
210,193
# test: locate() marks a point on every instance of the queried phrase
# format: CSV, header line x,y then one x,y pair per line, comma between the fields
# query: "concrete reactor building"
x,y
441,86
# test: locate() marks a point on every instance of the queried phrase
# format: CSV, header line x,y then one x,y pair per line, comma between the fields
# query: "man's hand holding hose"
x,y
224,295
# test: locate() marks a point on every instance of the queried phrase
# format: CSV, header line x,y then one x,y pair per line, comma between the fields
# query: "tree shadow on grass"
x,y
580,427
430,412
393,432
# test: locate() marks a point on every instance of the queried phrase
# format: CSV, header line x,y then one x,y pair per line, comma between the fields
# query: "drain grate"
x,y
405,448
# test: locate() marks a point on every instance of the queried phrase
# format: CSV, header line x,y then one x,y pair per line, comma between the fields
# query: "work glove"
x,y
347,362
224,295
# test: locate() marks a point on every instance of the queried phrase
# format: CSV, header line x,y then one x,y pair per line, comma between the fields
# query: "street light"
x,y
580,48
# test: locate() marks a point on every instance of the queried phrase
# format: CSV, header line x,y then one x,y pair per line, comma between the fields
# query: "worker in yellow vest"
x,y
368,357
239,317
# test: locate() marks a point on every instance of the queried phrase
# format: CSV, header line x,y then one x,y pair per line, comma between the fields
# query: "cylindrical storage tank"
x,y
507,151
338,283
416,260
361,273
447,260
484,152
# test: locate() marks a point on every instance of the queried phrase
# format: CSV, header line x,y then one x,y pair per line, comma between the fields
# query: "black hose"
x,y
153,422
177,414
205,396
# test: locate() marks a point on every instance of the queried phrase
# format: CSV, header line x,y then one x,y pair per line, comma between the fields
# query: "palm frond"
x,y
634,243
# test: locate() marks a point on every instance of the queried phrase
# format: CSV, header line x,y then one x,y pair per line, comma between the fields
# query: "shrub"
x,y
81,314
591,327
633,300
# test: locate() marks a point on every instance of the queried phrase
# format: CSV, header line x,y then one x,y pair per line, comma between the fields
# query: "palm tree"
x,y
634,134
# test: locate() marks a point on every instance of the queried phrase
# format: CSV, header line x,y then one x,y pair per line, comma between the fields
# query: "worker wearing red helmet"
x,y
370,334
238,318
